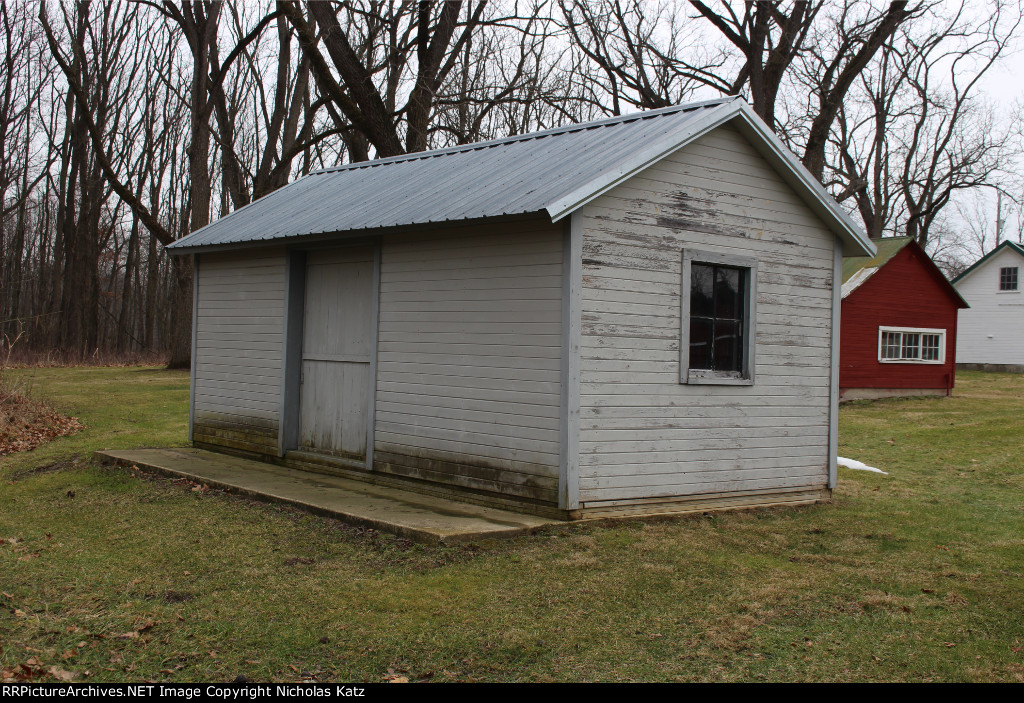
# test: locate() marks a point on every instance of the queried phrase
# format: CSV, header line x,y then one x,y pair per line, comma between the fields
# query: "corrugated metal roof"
x,y
554,171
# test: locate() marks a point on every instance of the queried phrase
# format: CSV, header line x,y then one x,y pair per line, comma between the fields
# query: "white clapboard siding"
x,y
991,331
643,434
239,338
469,358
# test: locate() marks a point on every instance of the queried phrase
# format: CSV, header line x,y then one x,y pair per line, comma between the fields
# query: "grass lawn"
x,y
918,575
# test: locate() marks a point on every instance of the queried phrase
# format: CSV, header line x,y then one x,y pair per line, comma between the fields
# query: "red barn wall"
x,y
903,293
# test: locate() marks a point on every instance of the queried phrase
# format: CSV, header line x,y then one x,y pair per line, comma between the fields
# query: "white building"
x,y
631,316
991,331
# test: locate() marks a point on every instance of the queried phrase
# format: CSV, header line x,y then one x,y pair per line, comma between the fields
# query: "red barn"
x,y
898,334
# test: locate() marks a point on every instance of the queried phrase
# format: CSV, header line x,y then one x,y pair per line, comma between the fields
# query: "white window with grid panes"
x,y
1008,279
911,345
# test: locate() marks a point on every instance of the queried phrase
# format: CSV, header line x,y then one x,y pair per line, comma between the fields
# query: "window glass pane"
x,y
700,342
930,346
890,345
911,346
702,289
728,292
717,317
727,346
1008,278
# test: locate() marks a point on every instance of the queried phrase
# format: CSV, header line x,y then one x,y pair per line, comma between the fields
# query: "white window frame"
x,y
707,376
999,281
913,330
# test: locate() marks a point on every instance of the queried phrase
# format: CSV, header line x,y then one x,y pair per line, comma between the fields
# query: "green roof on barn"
x,y
858,269
888,247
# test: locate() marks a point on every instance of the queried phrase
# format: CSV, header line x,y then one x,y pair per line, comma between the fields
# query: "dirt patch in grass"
x,y
25,423
172,597
72,462
295,561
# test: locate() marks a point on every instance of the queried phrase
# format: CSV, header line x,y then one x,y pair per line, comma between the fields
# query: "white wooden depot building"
x,y
991,331
631,316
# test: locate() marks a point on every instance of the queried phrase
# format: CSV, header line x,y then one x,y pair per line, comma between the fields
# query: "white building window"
x,y
717,330
911,345
1008,278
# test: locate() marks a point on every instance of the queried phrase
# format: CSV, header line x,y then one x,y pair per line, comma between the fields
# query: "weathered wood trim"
x,y
220,435
572,295
833,419
468,472
348,358
335,466
291,363
749,310
357,237
737,500
371,417
195,349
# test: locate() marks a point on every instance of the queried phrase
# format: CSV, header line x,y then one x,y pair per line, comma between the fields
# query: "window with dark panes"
x,y
717,303
930,347
911,346
891,345
1008,278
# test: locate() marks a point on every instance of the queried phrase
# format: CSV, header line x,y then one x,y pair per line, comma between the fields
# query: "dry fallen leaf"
x,y
61,674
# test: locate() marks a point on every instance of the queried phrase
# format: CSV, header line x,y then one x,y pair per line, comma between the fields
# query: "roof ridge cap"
x,y
541,134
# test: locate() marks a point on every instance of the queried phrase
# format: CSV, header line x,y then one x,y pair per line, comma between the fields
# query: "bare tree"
x,y
914,132
95,111
381,68
641,55
841,50
955,143
769,37
24,73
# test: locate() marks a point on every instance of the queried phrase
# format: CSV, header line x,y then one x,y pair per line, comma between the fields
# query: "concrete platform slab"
x,y
405,513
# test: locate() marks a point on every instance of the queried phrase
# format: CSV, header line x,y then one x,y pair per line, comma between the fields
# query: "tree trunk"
x,y
181,313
